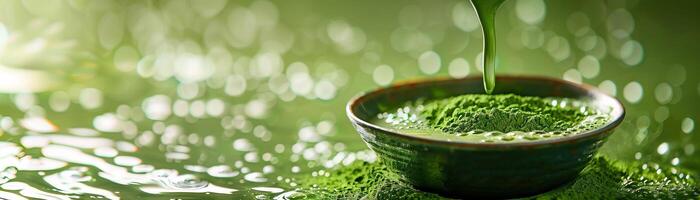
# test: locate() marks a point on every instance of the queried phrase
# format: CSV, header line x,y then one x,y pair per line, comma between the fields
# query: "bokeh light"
x,y
135,99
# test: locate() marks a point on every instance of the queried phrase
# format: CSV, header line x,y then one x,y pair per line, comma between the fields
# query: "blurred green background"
x,y
187,98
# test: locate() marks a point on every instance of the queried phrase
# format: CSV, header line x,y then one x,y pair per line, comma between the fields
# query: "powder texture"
x,y
601,179
607,179
360,180
504,113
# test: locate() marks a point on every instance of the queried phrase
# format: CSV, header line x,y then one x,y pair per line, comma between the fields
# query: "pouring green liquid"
x,y
486,11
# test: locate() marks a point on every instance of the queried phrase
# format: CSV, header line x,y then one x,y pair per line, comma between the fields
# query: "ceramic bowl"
x,y
489,170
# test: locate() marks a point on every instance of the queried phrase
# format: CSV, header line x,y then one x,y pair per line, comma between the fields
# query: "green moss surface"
x,y
601,179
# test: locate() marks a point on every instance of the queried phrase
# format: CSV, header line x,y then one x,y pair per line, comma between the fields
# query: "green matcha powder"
x,y
491,118
503,113
601,179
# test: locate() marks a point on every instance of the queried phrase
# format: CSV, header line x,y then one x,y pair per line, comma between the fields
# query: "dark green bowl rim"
x,y
591,91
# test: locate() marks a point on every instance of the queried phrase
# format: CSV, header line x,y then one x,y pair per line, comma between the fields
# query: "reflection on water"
x,y
25,80
160,158
219,99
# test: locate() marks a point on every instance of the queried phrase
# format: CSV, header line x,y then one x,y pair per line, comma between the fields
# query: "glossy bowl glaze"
x,y
487,170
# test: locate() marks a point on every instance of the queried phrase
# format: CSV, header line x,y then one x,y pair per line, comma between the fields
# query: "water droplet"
x,y
663,93
572,75
142,168
632,53
662,149
687,125
127,160
190,68
383,75
90,98
266,65
59,101
243,144
464,17
325,90
608,87
255,177
558,48
458,68
235,85
348,39
157,107
215,107
24,101
429,62
126,58
107,152
28,163
589,67
530,11
38,124
222,171
107,122
309,134
675,161
256,108
188,181
620,23
633,92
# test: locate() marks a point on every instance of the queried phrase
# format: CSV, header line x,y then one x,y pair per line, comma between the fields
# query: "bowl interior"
x,y
364,108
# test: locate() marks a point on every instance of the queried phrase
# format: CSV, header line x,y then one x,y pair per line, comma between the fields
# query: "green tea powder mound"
x,y
603,178
504,113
